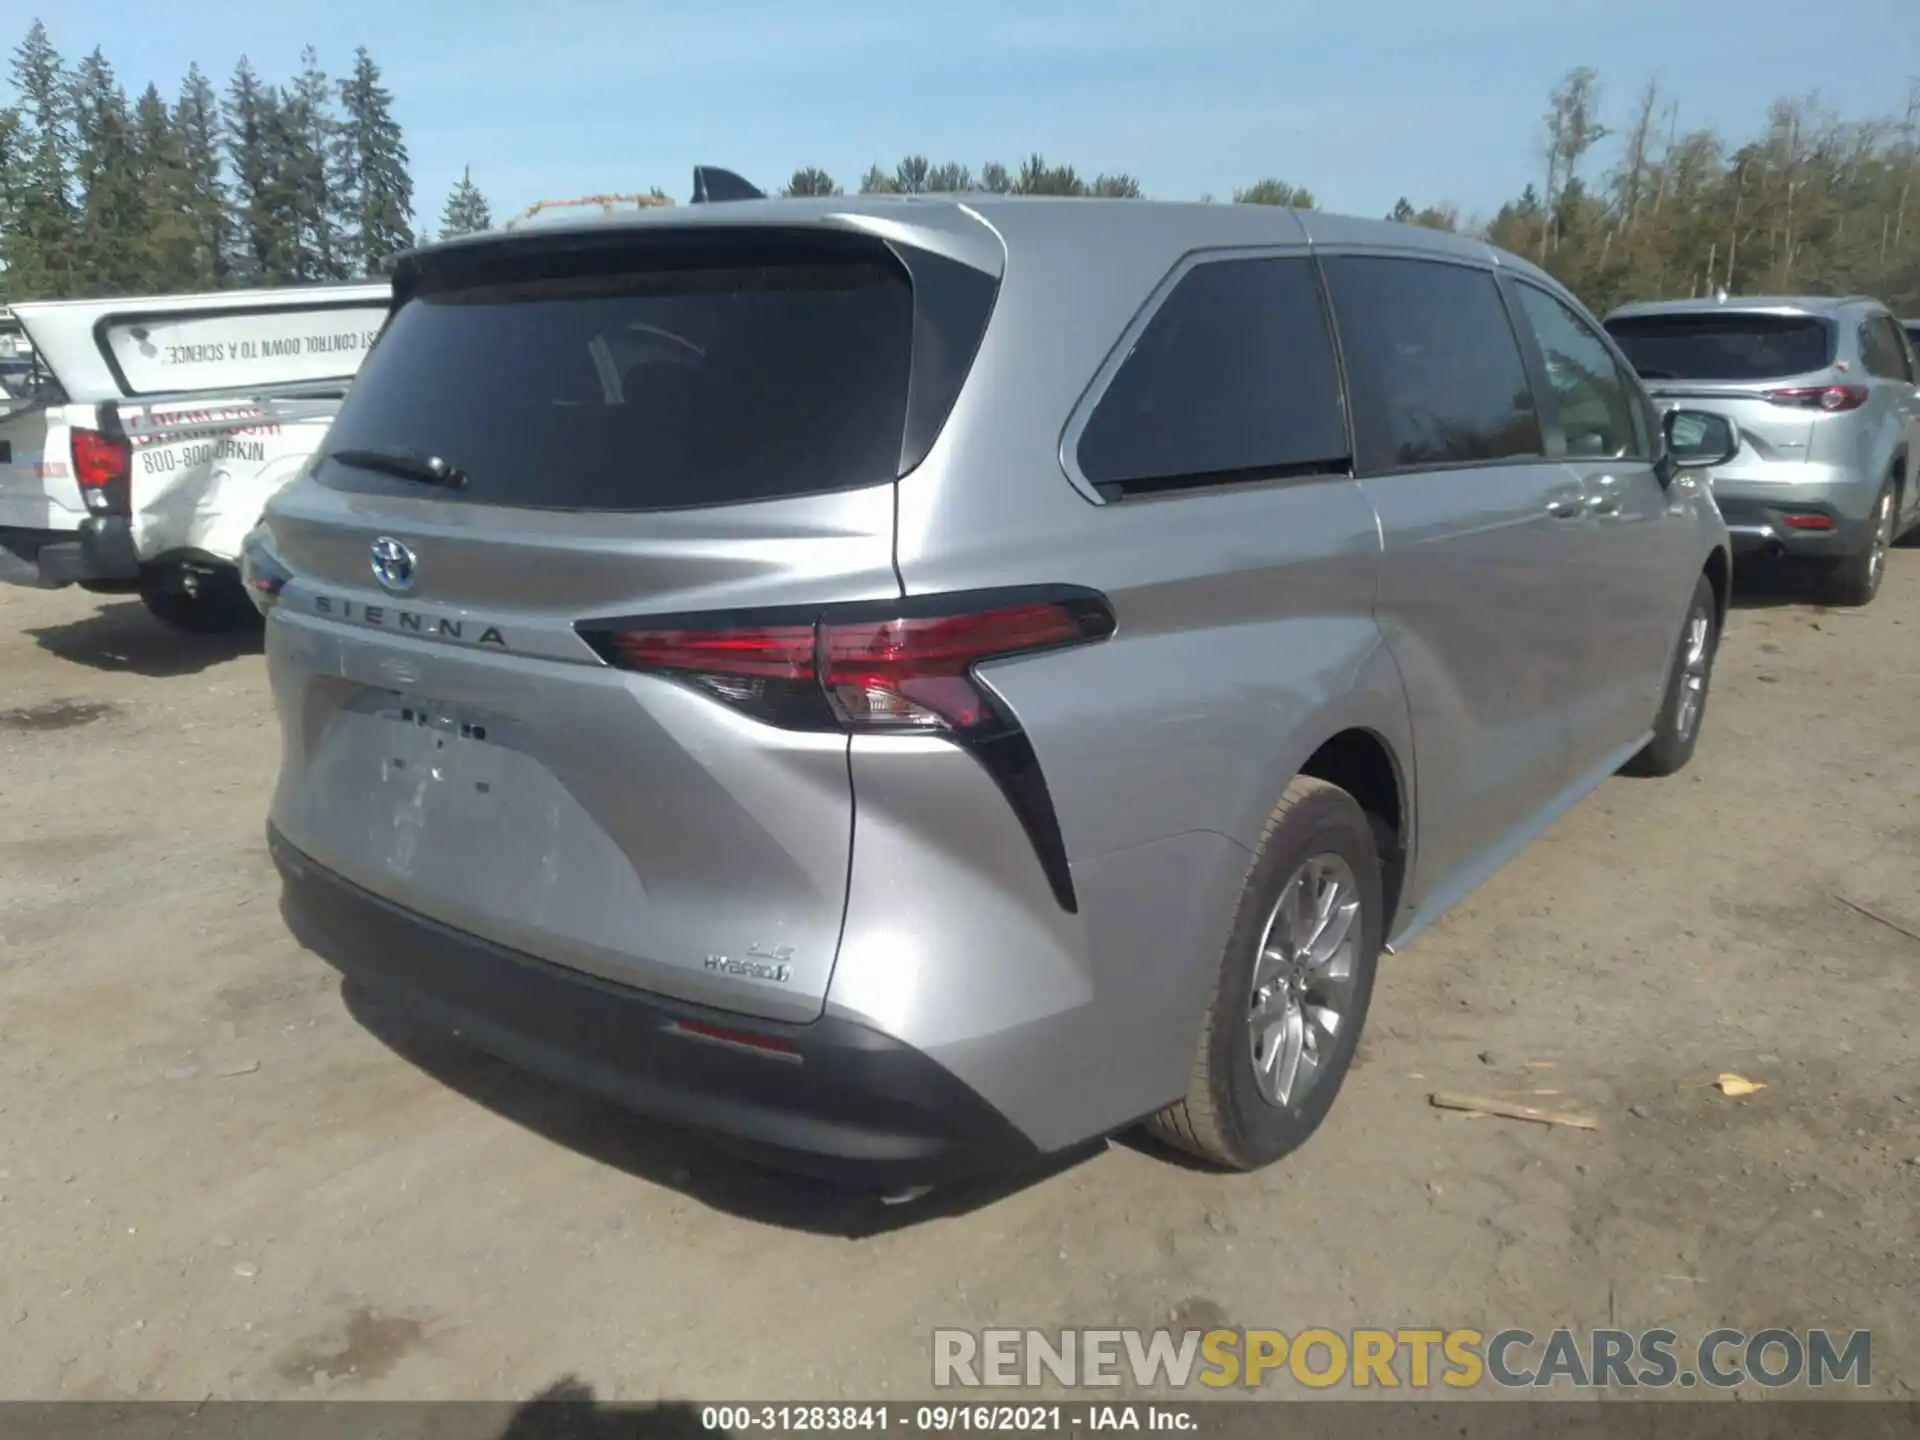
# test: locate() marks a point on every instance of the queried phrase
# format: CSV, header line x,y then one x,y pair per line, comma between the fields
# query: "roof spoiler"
x,y
711,184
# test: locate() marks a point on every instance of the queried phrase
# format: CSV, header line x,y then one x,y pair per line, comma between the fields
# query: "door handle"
x,y
1566,507
1604,503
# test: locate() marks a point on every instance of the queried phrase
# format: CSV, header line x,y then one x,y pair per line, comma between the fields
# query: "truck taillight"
x,y
1831,398
103,464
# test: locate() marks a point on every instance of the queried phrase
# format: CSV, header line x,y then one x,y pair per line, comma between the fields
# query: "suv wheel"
x,y
1855,580
1676,729
199,602
1294,986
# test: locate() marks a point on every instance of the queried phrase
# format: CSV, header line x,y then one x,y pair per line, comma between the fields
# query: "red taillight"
x,y
1831,398
891,671
1806,521
100,462
779,652
915,672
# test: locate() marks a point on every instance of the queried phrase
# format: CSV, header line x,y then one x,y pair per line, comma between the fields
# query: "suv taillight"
x,y
888,667
103,464
1831,398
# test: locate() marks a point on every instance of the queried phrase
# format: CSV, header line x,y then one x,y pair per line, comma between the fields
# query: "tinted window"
x,y
1881,351
1432,363
1234,374
1913,335
1724,346
1594,401
611,387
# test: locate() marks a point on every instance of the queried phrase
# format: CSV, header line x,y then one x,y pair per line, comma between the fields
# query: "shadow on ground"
x,y
1761,584
122,636
662,1154
567,1410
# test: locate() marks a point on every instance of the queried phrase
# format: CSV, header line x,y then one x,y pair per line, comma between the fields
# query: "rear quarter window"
x,y
1234,377
629,386
1728,345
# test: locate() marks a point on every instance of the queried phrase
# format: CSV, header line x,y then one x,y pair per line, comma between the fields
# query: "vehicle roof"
x,y
1825,306
1159,225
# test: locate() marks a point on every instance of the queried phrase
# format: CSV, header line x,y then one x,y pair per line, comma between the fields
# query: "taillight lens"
x,y
1830,398
859,668
914,673
103,464
263,576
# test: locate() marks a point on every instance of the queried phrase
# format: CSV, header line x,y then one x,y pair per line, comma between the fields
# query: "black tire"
x,y
1854,580
202,605
1225,1118
1676,729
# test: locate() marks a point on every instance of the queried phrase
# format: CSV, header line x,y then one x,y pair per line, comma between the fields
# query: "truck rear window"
x,y
1724,346
685,384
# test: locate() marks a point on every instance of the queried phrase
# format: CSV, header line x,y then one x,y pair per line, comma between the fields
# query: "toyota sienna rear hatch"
x,y
568,448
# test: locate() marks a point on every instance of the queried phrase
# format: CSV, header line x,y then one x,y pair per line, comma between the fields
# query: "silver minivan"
x,y
1826,395
908,685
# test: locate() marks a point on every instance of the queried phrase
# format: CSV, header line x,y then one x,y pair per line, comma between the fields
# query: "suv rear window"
x,y
1725,346
624,384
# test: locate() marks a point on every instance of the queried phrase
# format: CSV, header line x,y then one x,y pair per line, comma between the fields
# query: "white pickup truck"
x,y
152,432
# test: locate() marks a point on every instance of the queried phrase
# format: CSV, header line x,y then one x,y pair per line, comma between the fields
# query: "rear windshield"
x,y
699,384
1729,346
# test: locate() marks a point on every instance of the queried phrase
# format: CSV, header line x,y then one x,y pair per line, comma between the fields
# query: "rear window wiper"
x,y
429,471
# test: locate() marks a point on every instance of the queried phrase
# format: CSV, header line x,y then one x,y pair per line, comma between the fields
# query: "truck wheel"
x,y
199,603
1293,988
1855,579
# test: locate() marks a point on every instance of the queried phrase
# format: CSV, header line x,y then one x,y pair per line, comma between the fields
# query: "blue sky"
x,y
1361,102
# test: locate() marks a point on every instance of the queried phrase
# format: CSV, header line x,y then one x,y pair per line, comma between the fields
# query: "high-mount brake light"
x,y
1830,398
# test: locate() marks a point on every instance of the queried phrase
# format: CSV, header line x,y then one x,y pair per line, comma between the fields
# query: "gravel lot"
x,y
222,1176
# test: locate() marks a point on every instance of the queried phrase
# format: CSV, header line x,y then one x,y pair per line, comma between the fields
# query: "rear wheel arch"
x,y
1361,762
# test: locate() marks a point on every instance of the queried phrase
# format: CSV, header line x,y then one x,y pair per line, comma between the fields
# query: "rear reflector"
x,y
1807,522
768,1045
1830,398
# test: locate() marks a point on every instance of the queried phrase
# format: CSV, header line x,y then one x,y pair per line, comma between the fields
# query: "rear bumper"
x,y
100,551
1761,517
845,1102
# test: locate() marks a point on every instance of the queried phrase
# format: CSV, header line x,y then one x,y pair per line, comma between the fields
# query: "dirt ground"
x,y
220,1176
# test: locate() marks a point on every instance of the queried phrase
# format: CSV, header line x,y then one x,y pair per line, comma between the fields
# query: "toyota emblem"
x,y
393,564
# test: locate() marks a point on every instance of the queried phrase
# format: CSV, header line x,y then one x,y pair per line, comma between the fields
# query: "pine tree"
x,y
113,226
12,160
172,248
311,135
196,126
466,211
249,121
376,188
40,242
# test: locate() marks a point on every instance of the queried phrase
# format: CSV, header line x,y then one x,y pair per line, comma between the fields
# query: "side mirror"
x,y
1699,439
